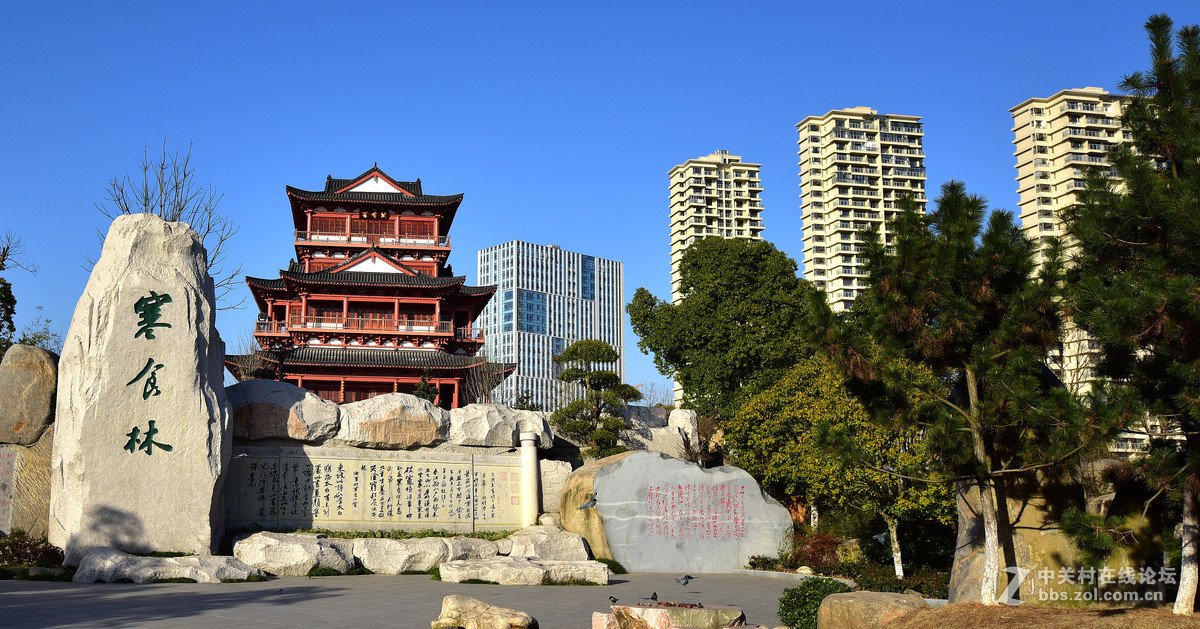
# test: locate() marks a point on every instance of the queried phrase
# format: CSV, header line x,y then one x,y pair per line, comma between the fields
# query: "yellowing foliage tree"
x,y
807,434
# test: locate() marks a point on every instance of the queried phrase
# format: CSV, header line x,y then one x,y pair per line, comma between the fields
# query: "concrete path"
x,y
395,602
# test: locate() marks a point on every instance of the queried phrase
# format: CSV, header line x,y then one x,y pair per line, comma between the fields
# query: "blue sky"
x,y
558,120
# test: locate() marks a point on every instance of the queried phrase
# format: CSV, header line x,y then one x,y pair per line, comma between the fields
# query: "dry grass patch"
x,y
971,616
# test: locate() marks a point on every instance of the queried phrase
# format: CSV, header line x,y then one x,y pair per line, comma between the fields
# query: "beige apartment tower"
x,y
715,195
855,164
1056,140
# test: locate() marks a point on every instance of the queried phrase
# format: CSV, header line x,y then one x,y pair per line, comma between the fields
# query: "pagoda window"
x,y
372,226
329,224
416,229
318,264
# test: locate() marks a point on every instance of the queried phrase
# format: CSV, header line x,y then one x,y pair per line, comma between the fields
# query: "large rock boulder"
x,y
294,554
687,422
554,474
397,556
497,425
392,422
1030,521
668,440
502,570
658,514
866,610
25,486
141,437
548,542
471,613
645,416
108,564
269,409
469,548
28,386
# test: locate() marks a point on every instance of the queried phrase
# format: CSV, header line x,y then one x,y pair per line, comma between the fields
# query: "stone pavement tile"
x,y
367,602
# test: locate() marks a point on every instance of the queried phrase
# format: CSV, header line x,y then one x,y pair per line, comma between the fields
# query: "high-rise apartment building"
x,y
1057,140
854,165
546,299
715,195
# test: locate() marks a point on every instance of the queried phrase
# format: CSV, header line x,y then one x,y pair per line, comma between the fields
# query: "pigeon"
x,y
654,597
590,503
613,600
684,579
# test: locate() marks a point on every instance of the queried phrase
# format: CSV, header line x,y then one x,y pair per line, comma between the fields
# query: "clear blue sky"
x,y
558,120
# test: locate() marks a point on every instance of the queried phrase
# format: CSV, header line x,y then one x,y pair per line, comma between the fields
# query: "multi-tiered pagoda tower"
x,y
369,304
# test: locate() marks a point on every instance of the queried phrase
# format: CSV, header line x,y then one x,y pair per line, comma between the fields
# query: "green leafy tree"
x,y
1135,275
733,331
425,389
808,435
592,418
967,304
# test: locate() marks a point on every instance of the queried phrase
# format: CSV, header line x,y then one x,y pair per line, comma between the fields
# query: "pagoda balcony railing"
x,y
400,240
471,334
364,324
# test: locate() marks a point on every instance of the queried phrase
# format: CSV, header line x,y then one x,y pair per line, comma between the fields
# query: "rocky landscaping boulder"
x,y
469,548
502,570
107,564
667,440
397,556
472,613
687,422
865,610
548,542
524,571
294,554
392,422
646,416
554,474
575,571
270,409
497,425
141,434
28,387
25,486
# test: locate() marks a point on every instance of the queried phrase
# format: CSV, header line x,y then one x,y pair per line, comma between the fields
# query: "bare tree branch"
x,y
166,186
12,248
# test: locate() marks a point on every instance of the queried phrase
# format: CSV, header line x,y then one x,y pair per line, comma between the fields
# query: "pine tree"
x,y
425,389
592,417
969,305
1135,273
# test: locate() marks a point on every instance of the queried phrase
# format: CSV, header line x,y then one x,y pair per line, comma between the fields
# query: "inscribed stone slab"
x,y
666,515
141,435
352,489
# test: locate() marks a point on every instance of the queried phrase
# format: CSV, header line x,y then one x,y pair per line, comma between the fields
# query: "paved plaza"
x,y
396,602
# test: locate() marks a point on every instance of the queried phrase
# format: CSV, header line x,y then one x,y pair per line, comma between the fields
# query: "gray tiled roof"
x,y
351,357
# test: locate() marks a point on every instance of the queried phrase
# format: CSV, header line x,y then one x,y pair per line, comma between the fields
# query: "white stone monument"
x,y
141,440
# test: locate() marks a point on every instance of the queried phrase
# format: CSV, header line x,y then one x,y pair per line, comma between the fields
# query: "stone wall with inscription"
x,y
352,489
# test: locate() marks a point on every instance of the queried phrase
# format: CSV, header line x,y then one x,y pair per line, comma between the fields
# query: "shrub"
x,y
816,548
21,550
798,606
